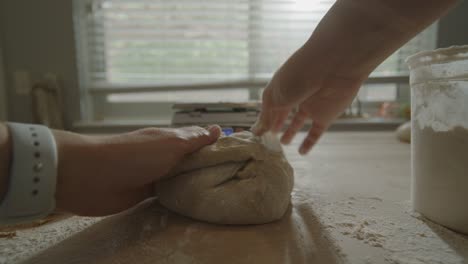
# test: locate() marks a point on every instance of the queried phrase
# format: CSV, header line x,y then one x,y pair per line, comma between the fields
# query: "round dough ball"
x,y
237,180
403,132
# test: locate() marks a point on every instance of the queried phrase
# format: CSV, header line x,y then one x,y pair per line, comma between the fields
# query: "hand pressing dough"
x,y
237,180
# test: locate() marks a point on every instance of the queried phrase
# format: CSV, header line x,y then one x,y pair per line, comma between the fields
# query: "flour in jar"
x,y
440,171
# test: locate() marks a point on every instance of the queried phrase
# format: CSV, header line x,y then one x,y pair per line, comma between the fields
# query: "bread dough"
x,y
237,180
404,132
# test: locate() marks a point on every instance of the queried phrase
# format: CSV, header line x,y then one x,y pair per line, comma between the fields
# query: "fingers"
x,y
197,137
296,124
312,137
280,118
215,133
263,123
270,120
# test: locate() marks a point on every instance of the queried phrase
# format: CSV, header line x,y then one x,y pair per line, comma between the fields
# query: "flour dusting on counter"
x,y
28,242
405,236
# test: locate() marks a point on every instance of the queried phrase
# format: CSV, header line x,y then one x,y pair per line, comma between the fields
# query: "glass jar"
x,y
439,159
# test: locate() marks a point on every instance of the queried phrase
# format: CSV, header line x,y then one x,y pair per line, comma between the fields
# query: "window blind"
x,y
187,41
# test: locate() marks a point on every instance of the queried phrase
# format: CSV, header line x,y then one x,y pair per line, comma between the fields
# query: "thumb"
x,y
263,123
198,137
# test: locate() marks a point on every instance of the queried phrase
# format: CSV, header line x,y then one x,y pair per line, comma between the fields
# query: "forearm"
x,y
76,158
73,149
69,147
357,35
5,156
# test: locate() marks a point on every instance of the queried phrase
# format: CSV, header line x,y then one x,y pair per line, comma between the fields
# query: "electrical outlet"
x,y
22,82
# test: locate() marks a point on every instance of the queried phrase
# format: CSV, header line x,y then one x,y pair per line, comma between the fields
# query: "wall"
x,y
3,99
38,38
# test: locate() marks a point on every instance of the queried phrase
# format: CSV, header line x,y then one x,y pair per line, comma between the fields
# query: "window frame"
x,y
95,107
104,110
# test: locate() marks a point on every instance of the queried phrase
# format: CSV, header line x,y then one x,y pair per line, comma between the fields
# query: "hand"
x,y
108,174
324,75
318,96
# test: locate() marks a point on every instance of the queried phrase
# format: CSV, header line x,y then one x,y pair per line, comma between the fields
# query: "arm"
x,y
357,35
102,175
321,78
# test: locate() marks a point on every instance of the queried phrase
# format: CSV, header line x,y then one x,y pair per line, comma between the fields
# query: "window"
x,y
137,55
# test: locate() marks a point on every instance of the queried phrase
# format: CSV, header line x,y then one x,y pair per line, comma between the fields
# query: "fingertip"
x,y
257,129
263,123
285,139
296,124
312,138
288,135
254,128
259,132
303,150
198,137
214,130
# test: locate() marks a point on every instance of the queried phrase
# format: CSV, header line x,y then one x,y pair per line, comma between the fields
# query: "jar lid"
x,y
442,55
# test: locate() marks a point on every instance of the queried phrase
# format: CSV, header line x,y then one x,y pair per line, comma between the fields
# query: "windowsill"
x,y
343,124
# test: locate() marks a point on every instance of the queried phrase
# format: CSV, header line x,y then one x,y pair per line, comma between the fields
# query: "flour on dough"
x,y
237,180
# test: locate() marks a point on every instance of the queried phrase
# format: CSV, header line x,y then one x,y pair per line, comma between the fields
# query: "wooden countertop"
x,y
352,193
361,184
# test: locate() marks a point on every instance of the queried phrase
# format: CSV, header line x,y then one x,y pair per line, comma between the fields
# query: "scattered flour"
x,y
28,242
362,231
404,236
393,229
369,236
